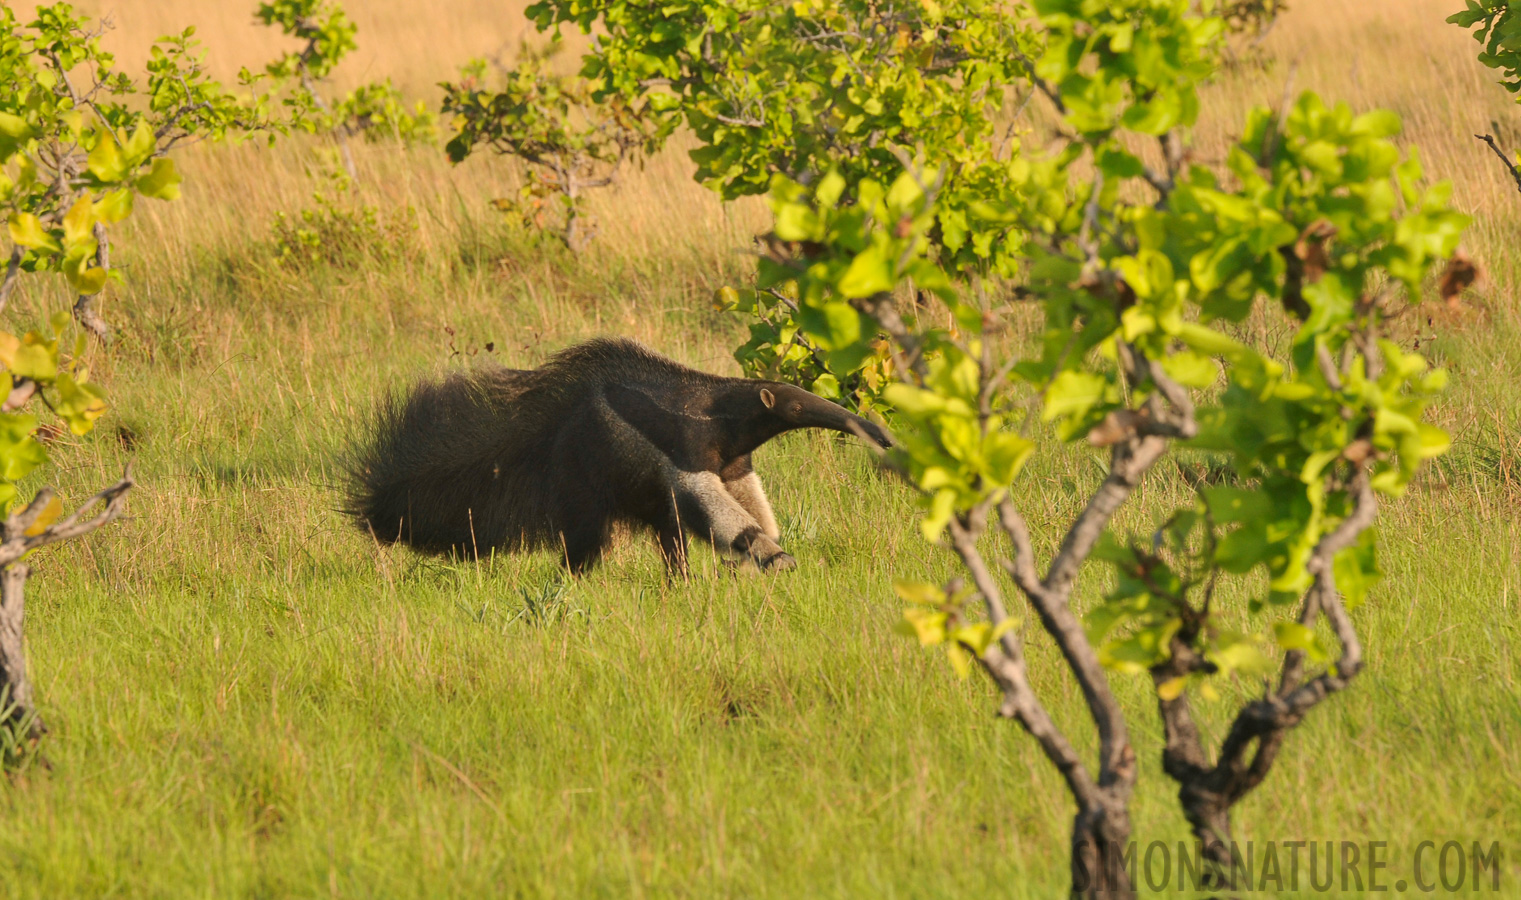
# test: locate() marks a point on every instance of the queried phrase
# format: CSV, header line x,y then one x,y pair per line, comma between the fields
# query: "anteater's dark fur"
x,y
605,432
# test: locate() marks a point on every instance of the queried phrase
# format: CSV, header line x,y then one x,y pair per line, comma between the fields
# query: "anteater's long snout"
x,y
871,431
804,409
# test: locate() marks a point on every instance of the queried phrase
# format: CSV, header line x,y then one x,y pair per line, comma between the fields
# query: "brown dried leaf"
x,y
1311,248
1358,451
1461,272
1117,426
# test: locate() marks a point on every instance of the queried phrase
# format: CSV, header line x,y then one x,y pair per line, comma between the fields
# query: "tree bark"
x,y
1101,854
17,710
1209,818
84,308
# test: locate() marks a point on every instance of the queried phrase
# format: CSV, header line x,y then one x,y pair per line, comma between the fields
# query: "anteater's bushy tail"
x,y
448,466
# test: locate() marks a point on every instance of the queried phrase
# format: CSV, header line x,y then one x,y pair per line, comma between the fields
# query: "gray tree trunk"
x,y
17,710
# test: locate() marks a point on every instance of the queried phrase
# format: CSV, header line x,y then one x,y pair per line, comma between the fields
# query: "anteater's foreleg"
x,y
707,509
748,491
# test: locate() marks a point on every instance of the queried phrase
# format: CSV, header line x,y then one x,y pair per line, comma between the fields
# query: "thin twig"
x,y
1515,171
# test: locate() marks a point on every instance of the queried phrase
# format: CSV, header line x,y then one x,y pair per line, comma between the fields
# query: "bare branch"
x,y
1164,184
18,708
1265,720
84,307
1085,239
1515,171
1181,423
1327,366
1172,152
1116,758
22,390
12,272
1041,84
17,543
747,122
1005,664
1128,462
1022,567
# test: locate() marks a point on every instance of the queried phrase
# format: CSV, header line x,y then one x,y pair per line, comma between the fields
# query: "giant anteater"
x,y
605,432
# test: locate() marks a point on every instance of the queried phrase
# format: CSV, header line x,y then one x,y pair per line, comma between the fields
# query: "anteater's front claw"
x,y
781,562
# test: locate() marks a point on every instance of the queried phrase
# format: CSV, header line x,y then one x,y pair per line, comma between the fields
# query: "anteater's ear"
x,y
768,399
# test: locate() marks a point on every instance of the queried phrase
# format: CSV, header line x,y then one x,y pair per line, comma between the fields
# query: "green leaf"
x,y
1294,636
14,127
831,186
85,279
14,133
1238,653
796,222
921,592
1075,393
1228,505
870,273
826,386
928,625
20,453
1211,342
1242,549
79,404
26,230
79,227
1356,569
115,206
960,659
942,507
106,161
1005,453
1431,441
1191,369
30,357
140,146
162,181
835,325
912,401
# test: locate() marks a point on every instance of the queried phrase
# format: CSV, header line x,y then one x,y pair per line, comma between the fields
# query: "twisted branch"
x,y
18,542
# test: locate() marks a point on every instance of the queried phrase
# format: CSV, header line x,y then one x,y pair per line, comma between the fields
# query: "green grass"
x,y
248,698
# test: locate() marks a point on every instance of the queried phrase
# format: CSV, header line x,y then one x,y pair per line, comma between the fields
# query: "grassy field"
x,y
248,698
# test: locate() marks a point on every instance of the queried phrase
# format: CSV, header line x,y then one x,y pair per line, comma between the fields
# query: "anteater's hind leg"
x,y
709,510
581,544
582,529
582,516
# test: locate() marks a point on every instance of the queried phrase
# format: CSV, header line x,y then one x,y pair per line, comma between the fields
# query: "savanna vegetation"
x,y
246,696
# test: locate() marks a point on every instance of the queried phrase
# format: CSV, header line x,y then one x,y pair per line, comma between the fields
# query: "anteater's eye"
x,y
797,408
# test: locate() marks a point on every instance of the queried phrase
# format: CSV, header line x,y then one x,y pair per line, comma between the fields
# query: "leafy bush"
x,y
342,231
571,143
80,142
870,127
375,109
1499,30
